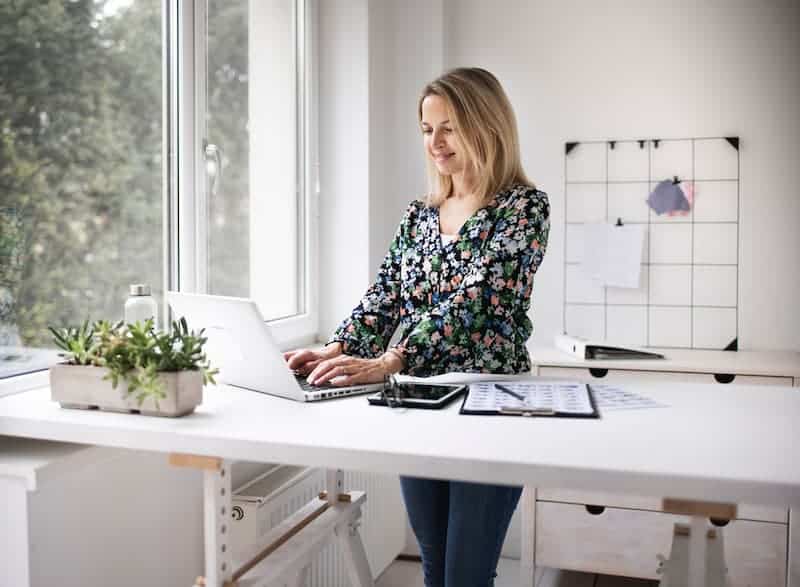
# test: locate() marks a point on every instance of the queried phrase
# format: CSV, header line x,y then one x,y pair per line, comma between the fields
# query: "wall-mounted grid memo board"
x,y
688,295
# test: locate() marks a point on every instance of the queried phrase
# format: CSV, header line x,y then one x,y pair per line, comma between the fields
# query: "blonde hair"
x,y
485,124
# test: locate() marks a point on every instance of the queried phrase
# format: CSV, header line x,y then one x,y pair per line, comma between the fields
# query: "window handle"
x,y
213,157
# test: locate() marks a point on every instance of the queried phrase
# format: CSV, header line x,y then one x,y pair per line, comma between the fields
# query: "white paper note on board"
x,y
612,255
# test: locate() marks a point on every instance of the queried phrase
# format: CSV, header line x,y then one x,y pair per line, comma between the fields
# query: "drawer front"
x,y
623,375
627,542
638,502
620,375
762,380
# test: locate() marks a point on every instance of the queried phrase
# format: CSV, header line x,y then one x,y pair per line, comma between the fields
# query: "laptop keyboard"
x,y
306,386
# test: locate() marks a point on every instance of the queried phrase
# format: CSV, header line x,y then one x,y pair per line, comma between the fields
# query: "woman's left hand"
x,y
347,370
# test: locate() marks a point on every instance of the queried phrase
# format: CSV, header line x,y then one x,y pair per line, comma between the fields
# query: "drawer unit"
x,y
76,515
590,375
619,541
744,511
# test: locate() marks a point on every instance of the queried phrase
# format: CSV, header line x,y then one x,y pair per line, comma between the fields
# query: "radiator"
x,y
265,501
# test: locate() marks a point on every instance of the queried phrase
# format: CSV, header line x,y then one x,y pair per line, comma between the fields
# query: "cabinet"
x,y
79,516
626,541
622,534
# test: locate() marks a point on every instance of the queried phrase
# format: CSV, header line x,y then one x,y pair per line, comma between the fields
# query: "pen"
x,y
509,392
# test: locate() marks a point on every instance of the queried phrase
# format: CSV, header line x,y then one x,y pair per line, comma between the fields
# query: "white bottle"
x,y
140,305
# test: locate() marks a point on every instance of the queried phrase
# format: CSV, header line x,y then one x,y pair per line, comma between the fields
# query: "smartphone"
x,y
419,395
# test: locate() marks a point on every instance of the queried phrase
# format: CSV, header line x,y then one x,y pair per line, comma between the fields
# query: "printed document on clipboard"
x,y
566,399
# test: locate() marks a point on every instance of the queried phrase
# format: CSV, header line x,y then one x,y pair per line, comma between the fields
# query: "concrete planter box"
x,y
83,387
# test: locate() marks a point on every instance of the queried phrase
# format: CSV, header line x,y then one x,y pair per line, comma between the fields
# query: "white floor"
x,y
409,574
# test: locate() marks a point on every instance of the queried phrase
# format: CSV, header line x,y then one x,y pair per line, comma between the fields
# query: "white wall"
x,y
623,69
375,56
344,151
405,53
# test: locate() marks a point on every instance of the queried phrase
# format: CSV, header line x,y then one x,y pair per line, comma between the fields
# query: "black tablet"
x,y
418,395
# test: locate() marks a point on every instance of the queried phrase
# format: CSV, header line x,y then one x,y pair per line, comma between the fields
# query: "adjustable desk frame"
x,y
333,515
697,557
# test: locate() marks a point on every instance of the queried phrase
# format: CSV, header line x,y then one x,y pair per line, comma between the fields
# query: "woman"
x,y
456,284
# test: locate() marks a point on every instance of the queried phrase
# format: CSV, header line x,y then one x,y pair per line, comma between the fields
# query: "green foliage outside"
x,y
136,353
81,163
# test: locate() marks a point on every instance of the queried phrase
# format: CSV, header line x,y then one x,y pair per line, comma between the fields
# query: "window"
x,y
81,166
253,96
93,97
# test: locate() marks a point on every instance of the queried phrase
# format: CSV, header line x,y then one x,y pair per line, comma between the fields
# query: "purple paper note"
x,y
668,197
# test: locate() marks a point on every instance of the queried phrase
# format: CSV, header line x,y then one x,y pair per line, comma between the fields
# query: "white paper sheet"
x,y
612,255
559,396
611,397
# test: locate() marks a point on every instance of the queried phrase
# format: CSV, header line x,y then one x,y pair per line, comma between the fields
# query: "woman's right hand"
x,y
304,361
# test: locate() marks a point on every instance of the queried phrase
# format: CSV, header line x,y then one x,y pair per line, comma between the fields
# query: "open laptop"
x,y
241,346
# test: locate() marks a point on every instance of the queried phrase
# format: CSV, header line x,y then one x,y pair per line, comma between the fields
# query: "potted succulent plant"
x,y
131,368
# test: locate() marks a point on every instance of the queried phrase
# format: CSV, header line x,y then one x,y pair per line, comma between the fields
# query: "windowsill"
x,y
294,332
23,368
25,382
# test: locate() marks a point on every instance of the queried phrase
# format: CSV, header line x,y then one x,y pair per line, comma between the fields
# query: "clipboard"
x,y
497,400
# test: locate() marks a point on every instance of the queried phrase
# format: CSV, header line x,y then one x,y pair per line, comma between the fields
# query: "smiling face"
x,y
441,140
470,136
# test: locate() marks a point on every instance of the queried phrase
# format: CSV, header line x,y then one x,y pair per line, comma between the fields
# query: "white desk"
x,y
734,444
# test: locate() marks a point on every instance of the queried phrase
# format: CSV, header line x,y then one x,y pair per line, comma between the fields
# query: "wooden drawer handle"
x,y
599,373
595,510
724,377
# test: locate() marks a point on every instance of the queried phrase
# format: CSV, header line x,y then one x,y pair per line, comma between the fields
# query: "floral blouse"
x,y
462,306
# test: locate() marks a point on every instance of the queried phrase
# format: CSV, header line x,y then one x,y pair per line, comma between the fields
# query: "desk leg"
x,y
693,561
334,484
217,512
216,525
794,548
355,556
527,563
216,516
697,552
347,534
697,558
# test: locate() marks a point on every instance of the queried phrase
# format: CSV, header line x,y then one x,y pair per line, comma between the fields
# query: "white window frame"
x,y
186,207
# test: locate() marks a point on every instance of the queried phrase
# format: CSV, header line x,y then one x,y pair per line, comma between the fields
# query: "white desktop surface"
x,y
718,443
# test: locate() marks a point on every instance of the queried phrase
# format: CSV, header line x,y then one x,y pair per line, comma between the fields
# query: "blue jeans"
x,y
460,528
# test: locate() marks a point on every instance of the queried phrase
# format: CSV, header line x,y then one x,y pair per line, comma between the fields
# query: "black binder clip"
x,y
528,411
619,222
